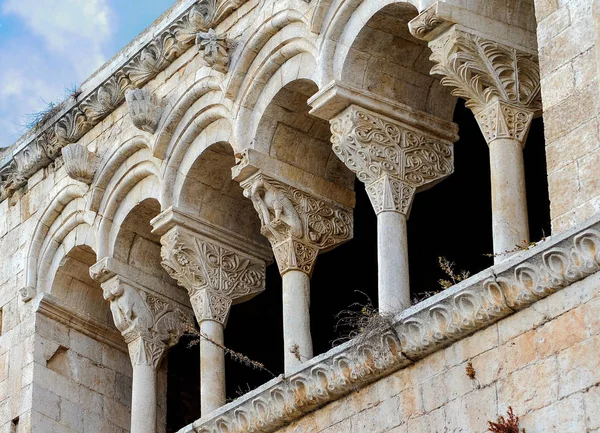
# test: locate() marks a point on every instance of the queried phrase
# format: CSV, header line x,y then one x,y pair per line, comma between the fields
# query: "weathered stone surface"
x,y
76,190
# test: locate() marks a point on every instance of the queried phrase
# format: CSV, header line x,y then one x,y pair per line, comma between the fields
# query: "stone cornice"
x,y
137,64
55,309
427,327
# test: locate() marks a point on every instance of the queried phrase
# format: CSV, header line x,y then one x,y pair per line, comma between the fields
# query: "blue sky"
x,y
48,46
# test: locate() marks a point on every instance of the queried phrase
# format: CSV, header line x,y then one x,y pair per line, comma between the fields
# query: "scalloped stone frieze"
x,y
435,323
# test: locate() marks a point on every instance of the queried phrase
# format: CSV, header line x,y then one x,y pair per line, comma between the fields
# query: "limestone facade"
x,y
229,136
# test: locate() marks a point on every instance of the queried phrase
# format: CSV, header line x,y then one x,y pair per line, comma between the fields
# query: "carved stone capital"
x,y
215,49
482,70
390,194
500,120
215,276
211,305
298,224
150,324
392,159
144,109
80,164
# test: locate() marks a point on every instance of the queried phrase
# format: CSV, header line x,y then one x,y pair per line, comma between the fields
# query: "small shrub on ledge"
x,y
508,425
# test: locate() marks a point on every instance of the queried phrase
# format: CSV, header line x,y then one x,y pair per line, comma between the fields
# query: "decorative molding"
x,y
393,160
144,109
214,276
148,323
215,49
80,164
55,309
500,120
483,71
425,328
429,24
83,113
297,224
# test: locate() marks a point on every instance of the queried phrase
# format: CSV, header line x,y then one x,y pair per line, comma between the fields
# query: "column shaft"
x,y
143,402
392,257
212,367
509,203
297,340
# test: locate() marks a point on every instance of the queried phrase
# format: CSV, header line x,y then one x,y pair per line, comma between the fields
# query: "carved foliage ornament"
x,y
213,275
144,109
482,71
148,323
297,224
140,69
214,49
392,160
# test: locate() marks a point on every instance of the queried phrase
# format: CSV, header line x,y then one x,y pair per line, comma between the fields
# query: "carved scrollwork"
x,y
297,224
428,23
210,272
482,71
149,324
80,164
391,159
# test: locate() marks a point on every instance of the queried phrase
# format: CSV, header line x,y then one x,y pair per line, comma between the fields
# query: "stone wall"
x,y
542,361
568,65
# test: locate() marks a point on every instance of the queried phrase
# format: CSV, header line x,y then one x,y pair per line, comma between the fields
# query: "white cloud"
x,y
68,40
76,30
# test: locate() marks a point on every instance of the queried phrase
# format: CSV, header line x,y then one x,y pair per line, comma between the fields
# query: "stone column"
x,y
395,161
501,85
150,324
299,225
218,270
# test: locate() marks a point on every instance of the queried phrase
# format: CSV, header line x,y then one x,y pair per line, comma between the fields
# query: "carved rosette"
x,y
144,109
148,323
215,49
500,120
297,224
214,276
393,161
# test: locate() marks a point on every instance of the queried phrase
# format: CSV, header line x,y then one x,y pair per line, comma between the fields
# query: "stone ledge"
x,y
427,327
53,308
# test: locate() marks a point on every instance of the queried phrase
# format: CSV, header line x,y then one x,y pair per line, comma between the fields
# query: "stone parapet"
x,y
417,332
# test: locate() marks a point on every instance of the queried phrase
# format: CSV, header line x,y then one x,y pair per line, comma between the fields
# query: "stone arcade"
x,y
227,147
